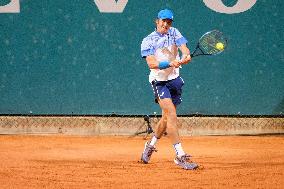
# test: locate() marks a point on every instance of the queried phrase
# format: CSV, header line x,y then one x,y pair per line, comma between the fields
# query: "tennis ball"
x,y
220,46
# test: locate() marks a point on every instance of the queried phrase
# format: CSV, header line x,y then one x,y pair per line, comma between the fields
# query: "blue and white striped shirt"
x,y
165,48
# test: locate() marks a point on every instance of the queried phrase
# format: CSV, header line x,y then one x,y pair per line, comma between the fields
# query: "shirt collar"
x,y
162,35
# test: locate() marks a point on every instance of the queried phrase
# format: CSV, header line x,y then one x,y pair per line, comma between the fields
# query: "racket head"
x,y
212,43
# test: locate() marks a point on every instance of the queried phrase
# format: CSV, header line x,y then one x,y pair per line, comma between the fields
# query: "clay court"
x,y
57,161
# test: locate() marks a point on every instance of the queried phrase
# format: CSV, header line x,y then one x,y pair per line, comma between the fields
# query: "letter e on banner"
x,y
240,6
12,7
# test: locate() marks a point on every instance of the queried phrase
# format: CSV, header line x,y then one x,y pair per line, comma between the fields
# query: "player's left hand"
x,y
185,59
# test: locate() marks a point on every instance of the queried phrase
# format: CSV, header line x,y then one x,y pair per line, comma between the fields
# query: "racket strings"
x,y
209,40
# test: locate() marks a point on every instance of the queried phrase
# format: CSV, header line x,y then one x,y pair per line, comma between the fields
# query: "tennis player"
x,y
161,51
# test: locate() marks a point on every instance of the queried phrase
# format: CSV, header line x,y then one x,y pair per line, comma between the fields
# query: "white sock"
x,y
153,141
179,150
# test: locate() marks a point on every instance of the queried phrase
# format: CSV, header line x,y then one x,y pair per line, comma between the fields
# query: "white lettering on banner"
x,y
240,6
117,6
12,7
111,6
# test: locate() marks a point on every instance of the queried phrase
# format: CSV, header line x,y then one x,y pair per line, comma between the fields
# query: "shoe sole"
x,y
193,168
145,162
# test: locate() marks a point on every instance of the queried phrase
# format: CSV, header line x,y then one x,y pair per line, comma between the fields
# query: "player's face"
x,y
163,25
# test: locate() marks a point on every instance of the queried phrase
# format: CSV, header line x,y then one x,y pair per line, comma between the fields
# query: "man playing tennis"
x,y
161,51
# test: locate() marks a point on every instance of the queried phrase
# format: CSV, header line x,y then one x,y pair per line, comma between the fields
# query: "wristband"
x,y
164,65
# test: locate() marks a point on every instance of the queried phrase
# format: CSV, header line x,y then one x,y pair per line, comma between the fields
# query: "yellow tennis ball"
x,y
220,46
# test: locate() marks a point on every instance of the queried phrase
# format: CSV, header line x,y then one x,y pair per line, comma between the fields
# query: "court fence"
x,y
139,125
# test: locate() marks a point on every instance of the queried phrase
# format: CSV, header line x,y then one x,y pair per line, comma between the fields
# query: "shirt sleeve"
x,y
179,39
147,47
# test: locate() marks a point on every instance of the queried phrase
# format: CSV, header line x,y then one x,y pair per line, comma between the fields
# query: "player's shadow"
x,y
149,128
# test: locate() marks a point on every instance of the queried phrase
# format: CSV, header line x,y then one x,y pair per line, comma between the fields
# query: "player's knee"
x,y
169,113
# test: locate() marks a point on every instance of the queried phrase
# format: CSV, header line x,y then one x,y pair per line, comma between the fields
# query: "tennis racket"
x,y
211,43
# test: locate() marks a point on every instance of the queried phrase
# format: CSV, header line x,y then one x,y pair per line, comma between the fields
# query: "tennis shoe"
x,y
185,162
148,151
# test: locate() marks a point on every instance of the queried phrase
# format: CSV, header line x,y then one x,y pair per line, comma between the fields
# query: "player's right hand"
x,y
175,63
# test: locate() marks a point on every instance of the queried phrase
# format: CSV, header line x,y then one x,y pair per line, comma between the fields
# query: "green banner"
x,y
83,57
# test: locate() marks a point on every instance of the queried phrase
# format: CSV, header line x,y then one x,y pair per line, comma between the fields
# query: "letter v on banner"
x,y
111,6
240,6
12,7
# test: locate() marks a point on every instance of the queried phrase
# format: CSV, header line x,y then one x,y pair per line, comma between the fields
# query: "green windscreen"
x,y
68,57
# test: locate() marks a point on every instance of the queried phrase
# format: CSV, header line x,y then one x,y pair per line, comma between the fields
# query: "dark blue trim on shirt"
x,y
147,52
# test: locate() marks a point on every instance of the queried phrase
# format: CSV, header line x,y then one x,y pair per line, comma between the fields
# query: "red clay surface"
x,y
112,162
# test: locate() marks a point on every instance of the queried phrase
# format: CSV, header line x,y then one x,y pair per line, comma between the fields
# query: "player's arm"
x,y
154,64
186,58
181,42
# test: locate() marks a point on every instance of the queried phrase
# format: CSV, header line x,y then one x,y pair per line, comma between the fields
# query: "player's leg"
x,y
161,126
149,148
168,118
159,89
169,115
182,159
159,130
150,145
164,93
